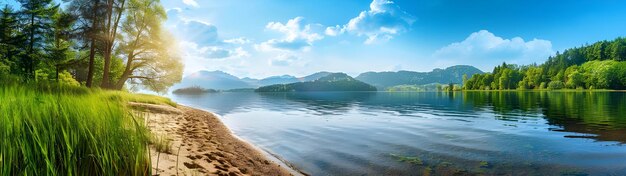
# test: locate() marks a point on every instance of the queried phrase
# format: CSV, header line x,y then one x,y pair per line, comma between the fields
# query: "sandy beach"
x,y
202,145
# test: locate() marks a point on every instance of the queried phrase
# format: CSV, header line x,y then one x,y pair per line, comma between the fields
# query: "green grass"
x,y
162,143
60,130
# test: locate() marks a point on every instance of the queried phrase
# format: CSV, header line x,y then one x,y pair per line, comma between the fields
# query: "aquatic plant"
x,y
412,160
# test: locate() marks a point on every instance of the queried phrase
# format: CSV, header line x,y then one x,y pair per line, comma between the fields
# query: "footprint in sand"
x,y
192,165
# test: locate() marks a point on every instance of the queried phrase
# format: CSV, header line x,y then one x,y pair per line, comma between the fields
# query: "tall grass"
x,y
59,130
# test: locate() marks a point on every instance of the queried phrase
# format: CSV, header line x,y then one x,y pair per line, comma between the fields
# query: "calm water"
x,y
519,133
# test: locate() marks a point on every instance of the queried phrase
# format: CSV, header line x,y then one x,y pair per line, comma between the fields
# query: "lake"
x,y
419,133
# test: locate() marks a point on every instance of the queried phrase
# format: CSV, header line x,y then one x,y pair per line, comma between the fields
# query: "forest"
x,y
110,44
601,65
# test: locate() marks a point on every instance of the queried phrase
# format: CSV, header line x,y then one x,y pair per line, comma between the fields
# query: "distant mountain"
x,y
314,76
330,82
383,80
284,79
213,80
223,81
219,80
250,81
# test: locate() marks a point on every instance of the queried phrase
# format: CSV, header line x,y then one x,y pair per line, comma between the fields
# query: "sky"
x,y
261,38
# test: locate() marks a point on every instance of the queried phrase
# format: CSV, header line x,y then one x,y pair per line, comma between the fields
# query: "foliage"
x,y
555,85
10,38
149,52
451,87
597,66
36,29
113,43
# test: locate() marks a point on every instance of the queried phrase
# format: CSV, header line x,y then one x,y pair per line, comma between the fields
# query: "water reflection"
x,y
601,114
356,133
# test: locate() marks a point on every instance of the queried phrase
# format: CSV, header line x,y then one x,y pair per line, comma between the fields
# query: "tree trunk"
x,y
92,49
31,61
107,50
107,67
110,40
57,72
122,80
92,54
128,71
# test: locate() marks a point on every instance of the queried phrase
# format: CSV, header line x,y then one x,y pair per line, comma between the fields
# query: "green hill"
x,y
331,82
384,80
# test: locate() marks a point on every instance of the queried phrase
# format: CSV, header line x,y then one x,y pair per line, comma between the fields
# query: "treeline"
x,y
195,90
601,65
95,43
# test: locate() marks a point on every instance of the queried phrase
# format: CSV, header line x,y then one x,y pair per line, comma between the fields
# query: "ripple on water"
x,y
388,133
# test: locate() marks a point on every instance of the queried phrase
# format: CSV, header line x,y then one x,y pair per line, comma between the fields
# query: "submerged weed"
x,y
412,160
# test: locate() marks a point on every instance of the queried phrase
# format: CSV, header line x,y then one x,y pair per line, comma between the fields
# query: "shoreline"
x,y
273,157
199,143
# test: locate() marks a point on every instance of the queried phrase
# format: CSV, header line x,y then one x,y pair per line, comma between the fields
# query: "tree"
x,y
114,12
575,80
465,81
598,74
90,25
617,49
542,85
10,40
38,17
555,85
59,47
533,77
149,52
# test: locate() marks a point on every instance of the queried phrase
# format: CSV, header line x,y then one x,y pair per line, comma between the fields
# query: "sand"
x,y
202,145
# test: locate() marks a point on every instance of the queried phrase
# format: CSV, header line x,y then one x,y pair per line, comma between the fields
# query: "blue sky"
x,y
259,38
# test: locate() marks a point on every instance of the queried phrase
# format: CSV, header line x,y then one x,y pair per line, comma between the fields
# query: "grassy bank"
x,y
62,130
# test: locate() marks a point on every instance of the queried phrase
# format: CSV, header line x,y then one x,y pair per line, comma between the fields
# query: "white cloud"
x,y
211,52
240,41
191,3
200,32
296,35
200,40
283,60
384,20
485,50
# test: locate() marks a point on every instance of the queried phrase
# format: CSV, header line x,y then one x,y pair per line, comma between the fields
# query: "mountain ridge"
x,y
452,74
220,80
331,82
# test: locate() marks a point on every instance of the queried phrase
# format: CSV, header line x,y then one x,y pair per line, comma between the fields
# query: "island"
x,y
193,90
331,82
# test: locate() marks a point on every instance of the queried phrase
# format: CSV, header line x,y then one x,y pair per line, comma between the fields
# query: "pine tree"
x,y
10,40
58,49
37,18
